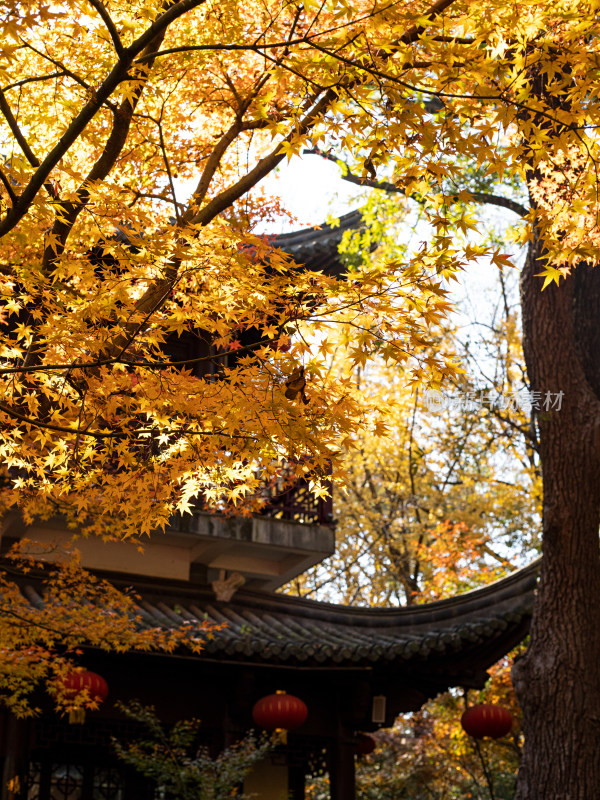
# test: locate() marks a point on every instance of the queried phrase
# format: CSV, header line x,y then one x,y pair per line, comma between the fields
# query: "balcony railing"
x,y
297,503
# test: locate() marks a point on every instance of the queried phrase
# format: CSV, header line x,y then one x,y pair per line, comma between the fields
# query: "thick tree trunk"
x,y
558,680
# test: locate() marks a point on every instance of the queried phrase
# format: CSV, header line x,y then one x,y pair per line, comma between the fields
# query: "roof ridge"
x,y
504,592
352,219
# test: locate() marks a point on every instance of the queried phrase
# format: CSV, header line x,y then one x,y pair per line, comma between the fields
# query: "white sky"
x,y
311,189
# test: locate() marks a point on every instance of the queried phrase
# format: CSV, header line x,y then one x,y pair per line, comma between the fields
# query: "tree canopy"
x,y
157,350
110,110
108,264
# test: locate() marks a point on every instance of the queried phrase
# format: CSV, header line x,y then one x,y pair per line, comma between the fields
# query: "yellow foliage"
x,y
54,611
434,502
109,267
107,109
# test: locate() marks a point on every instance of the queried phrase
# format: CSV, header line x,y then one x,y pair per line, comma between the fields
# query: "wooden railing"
x,y
297,503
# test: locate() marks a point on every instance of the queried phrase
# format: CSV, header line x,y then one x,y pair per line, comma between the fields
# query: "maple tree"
x,y
108,267
128,386
146,358
63,611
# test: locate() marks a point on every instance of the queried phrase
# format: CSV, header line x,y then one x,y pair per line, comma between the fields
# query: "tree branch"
x,y
413,34
165,156
265,165
36,423
116,76
67,72
498,200
17,132
34,79
110,26
24,145
68,213
150,196
210,168
158,292
8,187
391,188
314,113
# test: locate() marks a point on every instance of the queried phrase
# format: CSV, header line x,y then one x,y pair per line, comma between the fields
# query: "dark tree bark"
x,y
558,680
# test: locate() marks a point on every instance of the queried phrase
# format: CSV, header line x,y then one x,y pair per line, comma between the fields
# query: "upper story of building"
x,y
293,532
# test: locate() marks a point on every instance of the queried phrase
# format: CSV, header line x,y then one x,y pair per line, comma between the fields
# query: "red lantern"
x,y
85,682
486,720
365,745
279,711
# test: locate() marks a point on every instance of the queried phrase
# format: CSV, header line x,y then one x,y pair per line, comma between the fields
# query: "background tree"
x,y
445,500
448,496
428,755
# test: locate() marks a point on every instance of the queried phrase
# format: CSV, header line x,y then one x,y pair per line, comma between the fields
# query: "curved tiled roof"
x,y
318,248
408,654
279,629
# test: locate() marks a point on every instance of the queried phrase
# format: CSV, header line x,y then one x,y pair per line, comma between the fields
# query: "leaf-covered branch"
x,y
391,188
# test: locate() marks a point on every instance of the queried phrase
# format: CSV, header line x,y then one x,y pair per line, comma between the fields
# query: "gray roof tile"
x,y
274,628
279,629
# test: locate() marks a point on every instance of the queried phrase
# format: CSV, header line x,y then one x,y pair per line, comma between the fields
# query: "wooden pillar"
x,y
341,768
297,782
14,745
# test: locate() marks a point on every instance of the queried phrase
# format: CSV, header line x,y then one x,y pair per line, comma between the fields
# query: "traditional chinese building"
x,y
355,668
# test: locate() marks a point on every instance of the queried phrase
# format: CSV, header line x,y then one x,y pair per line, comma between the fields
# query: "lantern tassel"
x,y
281,734
76,716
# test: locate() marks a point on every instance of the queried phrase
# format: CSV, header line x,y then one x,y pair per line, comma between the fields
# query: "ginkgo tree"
x,y
445,500
107,107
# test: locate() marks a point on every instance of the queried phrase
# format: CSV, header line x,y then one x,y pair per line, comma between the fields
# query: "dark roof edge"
x,y
515,590
511,594
349,221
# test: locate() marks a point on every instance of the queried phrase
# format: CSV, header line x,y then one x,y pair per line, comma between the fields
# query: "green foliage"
x,y
184,770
